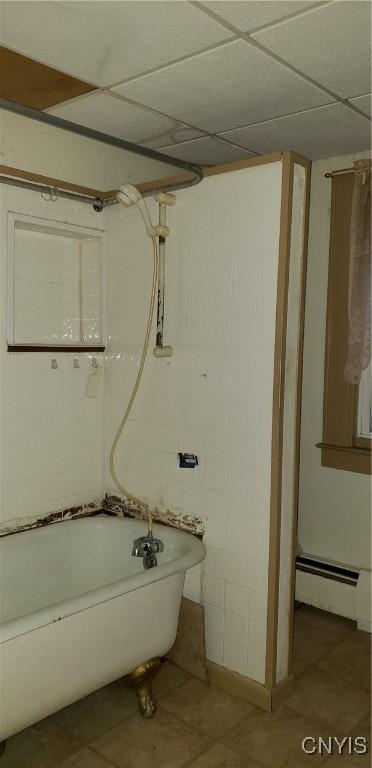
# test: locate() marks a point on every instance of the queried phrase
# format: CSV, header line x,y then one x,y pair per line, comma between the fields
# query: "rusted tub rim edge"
x,y
110,505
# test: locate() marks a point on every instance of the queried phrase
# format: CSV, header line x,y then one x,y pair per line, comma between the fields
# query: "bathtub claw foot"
x,y
146,702
141,680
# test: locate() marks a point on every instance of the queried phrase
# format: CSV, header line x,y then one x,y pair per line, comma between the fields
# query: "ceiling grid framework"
x,y
209,82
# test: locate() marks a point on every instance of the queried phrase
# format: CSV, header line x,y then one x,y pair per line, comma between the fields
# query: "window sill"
x,y
350,459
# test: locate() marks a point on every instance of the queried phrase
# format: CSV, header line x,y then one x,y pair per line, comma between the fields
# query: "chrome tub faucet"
x,y
148,547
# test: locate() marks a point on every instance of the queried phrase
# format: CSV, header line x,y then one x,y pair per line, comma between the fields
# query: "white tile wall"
x,y
213,397
214,648
256,666
235,657
52,433
237,599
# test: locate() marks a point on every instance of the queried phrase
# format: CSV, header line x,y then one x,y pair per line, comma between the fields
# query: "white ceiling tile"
x,y
179,134
325,132
231,86
331,44
111,115
364,103
106,42
207,151
250,14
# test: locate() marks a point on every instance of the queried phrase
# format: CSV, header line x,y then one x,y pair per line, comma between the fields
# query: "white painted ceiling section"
x,y
209,81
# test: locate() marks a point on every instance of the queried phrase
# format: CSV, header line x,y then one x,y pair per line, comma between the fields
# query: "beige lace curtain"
x,y
359,335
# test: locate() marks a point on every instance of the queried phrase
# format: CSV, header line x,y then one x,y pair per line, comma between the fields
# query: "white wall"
x,y
51,432
214,397
49,151
334,506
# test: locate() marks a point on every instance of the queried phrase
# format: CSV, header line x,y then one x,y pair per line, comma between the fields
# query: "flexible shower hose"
x,y
128,409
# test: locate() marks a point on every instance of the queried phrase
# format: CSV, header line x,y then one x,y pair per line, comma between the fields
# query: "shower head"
x,y
130,195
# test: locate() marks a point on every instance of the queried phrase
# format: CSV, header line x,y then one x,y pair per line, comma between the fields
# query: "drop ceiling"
x,y
207,82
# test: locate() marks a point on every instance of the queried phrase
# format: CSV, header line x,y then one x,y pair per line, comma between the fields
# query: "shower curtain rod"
x,y
341,172
97,202
113,141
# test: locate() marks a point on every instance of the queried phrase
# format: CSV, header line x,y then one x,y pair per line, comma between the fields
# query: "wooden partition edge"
x,y
296,469
277,419
282,691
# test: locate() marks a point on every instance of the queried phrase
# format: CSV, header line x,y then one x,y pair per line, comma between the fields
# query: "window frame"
x,y
31,221
363,438
341,447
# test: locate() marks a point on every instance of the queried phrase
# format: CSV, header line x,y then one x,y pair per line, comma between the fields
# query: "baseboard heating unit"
x,y
327,570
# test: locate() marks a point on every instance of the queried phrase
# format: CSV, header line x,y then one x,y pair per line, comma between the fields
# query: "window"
x,y
55,285
346,442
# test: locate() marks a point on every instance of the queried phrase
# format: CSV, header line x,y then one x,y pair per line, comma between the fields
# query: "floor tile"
x,y
207,707
40,746
321,695
348,761
222,756
85,758
300,759
364,727
276,739
163,742
323,761
97,713
299,666
350,661
311,642
327,621
353,760
363,638
169,678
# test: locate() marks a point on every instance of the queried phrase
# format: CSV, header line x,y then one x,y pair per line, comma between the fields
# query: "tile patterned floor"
x,y
200,726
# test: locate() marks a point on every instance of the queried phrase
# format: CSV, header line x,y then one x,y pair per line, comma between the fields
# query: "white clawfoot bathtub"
x,y
78,611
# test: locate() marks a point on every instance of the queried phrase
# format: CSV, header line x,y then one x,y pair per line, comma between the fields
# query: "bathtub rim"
x,y
62,609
